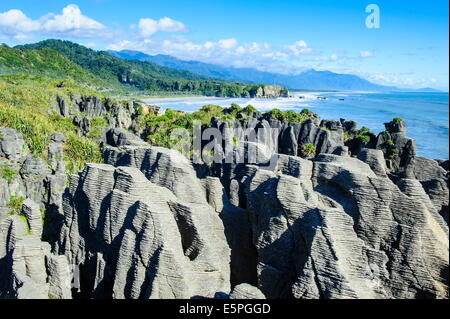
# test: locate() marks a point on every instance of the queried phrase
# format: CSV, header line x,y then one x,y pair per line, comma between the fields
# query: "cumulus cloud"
x,y
70,23
15,24
228,43
402,80
149,27
299,48
365,54
230,52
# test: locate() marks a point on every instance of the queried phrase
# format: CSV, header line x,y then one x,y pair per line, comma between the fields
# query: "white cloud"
x,y
401,80
70,23
333,57
299,47
228,43
230,52
148,26
15,24
365,54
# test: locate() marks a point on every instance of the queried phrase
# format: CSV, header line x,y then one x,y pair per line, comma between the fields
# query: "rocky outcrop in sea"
x,y
355,218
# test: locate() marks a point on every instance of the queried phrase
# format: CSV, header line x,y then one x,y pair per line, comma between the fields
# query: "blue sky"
x,y
410,49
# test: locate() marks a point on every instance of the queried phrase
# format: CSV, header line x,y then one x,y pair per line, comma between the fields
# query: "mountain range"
x,y
307,80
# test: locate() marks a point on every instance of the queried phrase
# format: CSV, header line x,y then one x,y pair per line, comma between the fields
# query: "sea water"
x,y
426,114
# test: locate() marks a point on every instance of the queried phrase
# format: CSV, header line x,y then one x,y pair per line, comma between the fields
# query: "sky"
x,y
408,48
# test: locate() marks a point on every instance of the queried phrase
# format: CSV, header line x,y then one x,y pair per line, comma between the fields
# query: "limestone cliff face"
x,y
31,188
337,230
82,109
345,223
271,92
136,239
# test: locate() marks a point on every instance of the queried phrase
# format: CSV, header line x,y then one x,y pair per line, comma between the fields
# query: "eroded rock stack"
x,y
28,188
356,220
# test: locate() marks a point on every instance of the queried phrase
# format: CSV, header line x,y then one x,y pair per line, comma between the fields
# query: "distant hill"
x,y
308,80
130,74
45,63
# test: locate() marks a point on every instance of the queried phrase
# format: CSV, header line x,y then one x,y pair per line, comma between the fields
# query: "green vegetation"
x,y
7,173
44,63
290,116
363,135
346,136
397,119
31,76
24,104
363,138
97,124
27,224
158,128
116,74
390,151
15,204
308,150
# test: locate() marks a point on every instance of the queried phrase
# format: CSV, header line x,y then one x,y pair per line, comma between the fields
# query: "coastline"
x,y
368,109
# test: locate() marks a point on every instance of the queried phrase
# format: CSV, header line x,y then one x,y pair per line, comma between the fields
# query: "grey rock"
x,y
29,271
375,159
404,147
341,151
161,247
164,167
337,227
58,137
246,291
34,173
443,163
83,125
60,277
12,145
118,137
396,126
33,215
434,180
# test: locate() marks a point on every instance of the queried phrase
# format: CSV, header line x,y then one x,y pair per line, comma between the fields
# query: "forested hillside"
x,y
130,75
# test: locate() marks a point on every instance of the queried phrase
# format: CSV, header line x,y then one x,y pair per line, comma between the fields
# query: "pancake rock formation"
x,y
354,220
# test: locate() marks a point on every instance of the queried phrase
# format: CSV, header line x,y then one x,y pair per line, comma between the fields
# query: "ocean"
x,y
426,114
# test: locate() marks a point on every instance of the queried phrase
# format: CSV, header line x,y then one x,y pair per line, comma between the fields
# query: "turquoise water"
x,y
426,114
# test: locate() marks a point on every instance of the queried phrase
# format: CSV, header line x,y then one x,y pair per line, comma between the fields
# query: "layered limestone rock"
x,y
434,180
83,109
335,229
246,291
25,176
150,224
143,238
28,187
396,145
28,268
285,137
271,92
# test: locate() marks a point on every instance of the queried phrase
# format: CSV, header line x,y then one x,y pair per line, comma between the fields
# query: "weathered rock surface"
x,y
357,220
271,92
31,187
137,239
28,269
11,144
337,230
246,291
